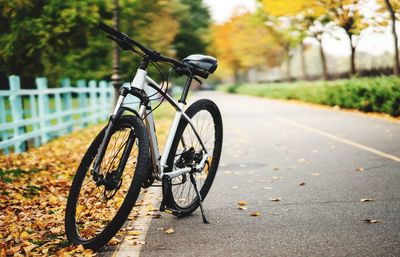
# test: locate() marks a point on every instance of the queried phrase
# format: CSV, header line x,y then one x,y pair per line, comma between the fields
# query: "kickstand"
x,y
203,215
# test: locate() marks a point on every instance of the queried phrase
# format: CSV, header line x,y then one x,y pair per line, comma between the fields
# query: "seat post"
x,y
186,90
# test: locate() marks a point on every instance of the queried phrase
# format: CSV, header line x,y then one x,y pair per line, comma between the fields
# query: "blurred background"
x,y
255,41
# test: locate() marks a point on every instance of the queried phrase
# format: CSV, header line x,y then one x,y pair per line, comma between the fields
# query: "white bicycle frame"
x,y
142,82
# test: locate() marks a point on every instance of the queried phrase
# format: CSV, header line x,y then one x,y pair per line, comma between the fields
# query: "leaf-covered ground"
x,y
34,188
33,194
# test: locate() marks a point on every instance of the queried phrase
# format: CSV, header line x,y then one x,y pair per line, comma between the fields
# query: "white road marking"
x,y
142,223
340,139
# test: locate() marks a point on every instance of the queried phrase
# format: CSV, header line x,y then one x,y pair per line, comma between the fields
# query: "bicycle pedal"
x,y
173,212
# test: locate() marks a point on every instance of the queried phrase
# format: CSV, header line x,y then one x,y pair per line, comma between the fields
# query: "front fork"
x,y
117,113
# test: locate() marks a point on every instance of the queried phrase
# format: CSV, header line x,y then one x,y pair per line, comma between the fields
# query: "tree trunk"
x,y
288,62
236,75
303,62
115,77
323,61
396,66
352,55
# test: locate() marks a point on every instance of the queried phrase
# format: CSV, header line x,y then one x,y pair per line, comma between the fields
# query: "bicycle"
x,y
124,157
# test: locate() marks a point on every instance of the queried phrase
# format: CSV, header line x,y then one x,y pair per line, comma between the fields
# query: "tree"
x,y
346,15
393,7
194,21
302,18
37,34
286,36
242,43
58,38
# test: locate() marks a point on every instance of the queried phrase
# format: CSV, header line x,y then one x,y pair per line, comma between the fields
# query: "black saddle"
x,y
203,62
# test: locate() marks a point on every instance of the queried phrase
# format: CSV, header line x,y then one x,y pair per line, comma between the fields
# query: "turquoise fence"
x,y
31,117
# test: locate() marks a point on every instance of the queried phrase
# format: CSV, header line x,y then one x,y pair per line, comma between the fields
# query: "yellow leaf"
x,y
29,248
56,230
24,235
242,207
255,214
169,231
134,233
241,203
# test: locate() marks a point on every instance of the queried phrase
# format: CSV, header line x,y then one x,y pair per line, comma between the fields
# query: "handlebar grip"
x,y
109,30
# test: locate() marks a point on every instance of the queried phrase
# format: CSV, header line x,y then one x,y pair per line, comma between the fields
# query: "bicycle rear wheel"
x,y
97,210
186,150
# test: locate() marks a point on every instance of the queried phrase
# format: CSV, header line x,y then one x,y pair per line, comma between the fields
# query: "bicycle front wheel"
x,y
186,150
96,210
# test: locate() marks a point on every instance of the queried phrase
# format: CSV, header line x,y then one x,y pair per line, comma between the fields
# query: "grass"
x,y
381,94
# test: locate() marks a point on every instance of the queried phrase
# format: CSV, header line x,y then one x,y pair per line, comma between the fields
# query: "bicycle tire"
x,y
195,110
142,162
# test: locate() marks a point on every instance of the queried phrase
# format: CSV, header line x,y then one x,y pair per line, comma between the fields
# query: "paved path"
x,y
270,148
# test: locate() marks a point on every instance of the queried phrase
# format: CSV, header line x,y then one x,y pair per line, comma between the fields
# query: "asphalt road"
x,y
270,148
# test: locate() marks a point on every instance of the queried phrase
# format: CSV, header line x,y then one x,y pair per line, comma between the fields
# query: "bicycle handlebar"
x,y
149,52
126,43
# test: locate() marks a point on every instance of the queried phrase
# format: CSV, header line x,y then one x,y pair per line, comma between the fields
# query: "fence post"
x,y
17,111
103,99
93,101
57,98
82,100
41,84
34,114
67,99
3,120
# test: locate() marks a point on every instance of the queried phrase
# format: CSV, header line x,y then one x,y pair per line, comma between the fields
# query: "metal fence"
x,y
34,116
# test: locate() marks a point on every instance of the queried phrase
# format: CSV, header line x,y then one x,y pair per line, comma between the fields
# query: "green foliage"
x,y
194,23
380,94
58,38
38,35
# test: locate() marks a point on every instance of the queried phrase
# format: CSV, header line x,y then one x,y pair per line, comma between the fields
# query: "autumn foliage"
x,y
33,195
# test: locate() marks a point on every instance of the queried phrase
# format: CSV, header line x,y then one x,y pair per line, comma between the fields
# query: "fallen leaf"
x,y
160,229
360,169
24,235
134,233
157,216
114,241
138,243
255,214
15,249
366,200
28,249
302,184
275,199
242,207
370,221
80,248
169,231
55,230
242,203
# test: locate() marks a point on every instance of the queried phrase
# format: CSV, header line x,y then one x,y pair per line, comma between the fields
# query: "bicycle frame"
x,y
139,88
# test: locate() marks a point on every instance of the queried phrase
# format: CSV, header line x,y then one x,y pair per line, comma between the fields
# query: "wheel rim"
x,y
183,190
97,205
